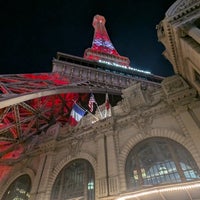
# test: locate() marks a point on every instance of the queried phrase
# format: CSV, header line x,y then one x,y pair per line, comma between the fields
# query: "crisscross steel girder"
x,y
27,104
19,88
30,103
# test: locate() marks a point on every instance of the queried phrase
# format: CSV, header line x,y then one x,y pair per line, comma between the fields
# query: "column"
x,y
112,164
101,175
192,128
42,177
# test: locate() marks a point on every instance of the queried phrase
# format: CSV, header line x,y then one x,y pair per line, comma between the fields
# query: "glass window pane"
x,y
159,161
19,189
75,180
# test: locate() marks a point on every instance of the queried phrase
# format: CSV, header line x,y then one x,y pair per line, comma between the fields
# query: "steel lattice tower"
x,y
30,103
102,48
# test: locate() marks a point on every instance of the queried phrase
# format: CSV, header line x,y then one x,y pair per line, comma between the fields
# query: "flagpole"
x,y
99,111
92,99
94,116
88,111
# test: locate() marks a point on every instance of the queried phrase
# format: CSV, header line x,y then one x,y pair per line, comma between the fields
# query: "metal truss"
x,y
15,89
30,103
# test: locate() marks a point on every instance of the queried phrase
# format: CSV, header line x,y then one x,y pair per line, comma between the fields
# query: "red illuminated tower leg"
x,y
102,49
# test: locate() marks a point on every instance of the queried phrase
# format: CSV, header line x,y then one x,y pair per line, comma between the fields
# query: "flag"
x,y
91,102
76,114
107,106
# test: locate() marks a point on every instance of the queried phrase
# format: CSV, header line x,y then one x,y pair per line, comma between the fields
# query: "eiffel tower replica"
x,y
30,103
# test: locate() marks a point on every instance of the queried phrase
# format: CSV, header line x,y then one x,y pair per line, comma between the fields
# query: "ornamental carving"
x,y
142,122
174,84
160,30
137,97
74,145
37,140
32,144
179,6
125,106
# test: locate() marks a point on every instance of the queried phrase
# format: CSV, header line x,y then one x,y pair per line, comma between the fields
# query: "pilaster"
x,y
101,175
112,164
193,129
41,179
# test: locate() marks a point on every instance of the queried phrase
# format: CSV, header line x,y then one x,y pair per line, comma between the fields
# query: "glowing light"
x,y
90,185
123,66
102,46
153,191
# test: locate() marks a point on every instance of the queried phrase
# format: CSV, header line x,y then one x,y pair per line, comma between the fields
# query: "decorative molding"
x,y
157,132
173,84
177,90
142,122
102,187
113,185
182,7
13,176
74,146
136,97
43,141
59,166
181,124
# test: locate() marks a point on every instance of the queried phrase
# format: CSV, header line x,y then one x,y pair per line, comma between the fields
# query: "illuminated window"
x,y
159,161
19,189
75,180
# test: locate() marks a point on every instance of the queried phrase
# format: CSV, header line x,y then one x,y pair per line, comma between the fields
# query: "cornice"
x,y
181,12
181,8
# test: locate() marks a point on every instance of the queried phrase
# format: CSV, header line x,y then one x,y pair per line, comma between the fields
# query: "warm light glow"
x,y
153,191
123,66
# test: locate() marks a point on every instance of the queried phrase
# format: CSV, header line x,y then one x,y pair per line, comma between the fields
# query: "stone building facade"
x,y
147,149
159,127
179,32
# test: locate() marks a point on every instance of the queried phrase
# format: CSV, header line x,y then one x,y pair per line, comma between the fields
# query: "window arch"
x,y
19,189
157,161
75,180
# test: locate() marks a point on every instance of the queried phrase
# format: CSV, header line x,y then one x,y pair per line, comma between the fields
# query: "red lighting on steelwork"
x,y
15,154
55,77
4,171
27,117
102,47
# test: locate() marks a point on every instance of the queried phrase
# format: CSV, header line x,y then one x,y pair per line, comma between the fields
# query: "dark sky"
x,y
32,31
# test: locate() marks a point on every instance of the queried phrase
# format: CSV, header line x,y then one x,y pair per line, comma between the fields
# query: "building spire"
x,y
102,49
101,41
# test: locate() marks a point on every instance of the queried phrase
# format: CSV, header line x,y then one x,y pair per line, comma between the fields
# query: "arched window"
x,y
76,180
159,161
19,189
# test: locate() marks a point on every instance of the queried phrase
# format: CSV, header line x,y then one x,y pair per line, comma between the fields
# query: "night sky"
x,y
32,32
